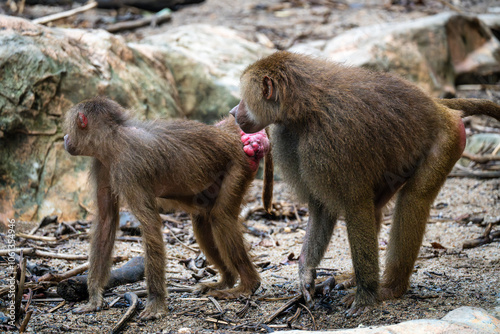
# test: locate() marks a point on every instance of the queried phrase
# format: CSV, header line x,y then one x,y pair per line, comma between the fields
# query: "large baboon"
x,y
347,140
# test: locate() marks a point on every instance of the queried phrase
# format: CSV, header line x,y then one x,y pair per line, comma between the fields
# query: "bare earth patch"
x,y
444,279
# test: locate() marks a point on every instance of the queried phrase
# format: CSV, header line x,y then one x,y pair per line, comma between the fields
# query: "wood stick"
x,y
462,171
449,5
62,15
61,304
295,316
36,237
481,158
116,300
51,277
180,242
326,286
292,301
486,238
154,20
217,305
313,321
19,295
35,252
496,150
133,300
222,322
26,319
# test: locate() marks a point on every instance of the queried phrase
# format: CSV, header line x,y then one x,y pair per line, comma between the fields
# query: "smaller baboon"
x,y
196,167
347,140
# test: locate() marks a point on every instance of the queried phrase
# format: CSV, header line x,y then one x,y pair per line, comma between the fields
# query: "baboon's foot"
x,y
202,288
359,303
237,292
387,292
154,309
91,306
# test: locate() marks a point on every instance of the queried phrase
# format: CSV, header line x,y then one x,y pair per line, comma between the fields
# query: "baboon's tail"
x,y
473,107
267,189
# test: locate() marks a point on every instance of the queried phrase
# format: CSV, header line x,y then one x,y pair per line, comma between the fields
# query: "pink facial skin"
x,y
255,145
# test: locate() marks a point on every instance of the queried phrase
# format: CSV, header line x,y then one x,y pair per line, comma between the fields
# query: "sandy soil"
x,y
443,279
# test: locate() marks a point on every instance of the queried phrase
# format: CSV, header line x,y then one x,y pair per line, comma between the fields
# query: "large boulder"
x,y
436,51
206,62
463,320
46,71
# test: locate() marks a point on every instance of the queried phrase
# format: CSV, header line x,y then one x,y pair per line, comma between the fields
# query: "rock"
x,y
479,144
436,52
205,59
45,71
475,318
464,320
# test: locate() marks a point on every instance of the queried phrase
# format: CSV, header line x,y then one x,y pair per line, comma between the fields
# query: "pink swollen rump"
x,y
255,145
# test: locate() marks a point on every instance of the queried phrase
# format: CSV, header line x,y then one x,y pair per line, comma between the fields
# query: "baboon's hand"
x,y
307,285
255,145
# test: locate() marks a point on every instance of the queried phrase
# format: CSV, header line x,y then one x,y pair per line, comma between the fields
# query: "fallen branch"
x,y
221,322
486,238
32,252
216,303
460,171
20,289
75,289
310,314
63,15
295,316
322,288
26,319
52,277
481,158
292,301
449,5
36,237
197,251
133,301
153,20
61,304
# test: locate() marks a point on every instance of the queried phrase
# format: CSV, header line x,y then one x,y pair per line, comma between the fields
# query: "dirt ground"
x,y
445,276
443,279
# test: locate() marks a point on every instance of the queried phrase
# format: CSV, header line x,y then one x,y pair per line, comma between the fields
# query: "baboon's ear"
x,y
268,88
82,120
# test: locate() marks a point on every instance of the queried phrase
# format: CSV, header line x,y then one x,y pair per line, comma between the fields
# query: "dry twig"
x,y
133,300
63,15
461,171
61,304
294,300
153,20
313,321
52,277
26,319
197,251
481,158
487,237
